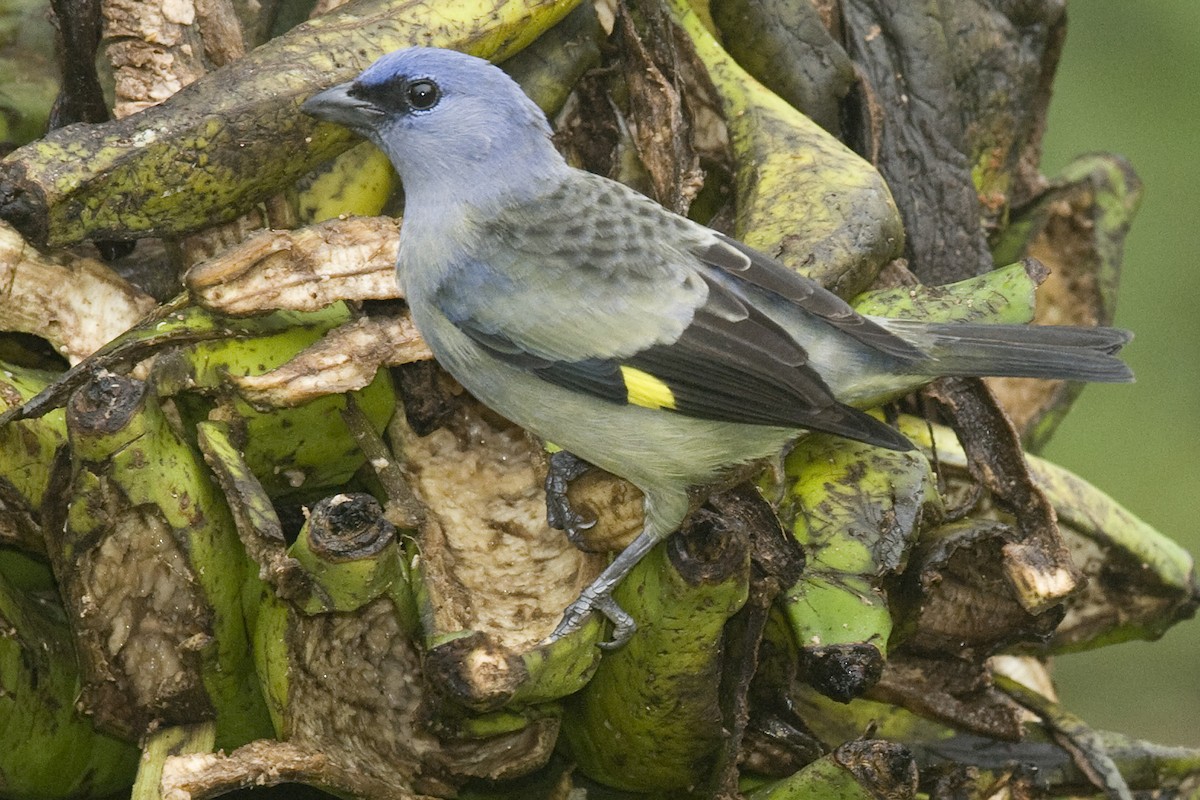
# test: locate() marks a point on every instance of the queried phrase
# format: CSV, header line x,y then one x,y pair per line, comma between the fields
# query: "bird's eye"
x,y
423,94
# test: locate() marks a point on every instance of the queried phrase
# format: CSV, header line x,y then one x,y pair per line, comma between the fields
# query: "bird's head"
x,y
450,123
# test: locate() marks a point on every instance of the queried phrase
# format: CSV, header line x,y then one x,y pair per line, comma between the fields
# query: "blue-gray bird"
x,y
641,341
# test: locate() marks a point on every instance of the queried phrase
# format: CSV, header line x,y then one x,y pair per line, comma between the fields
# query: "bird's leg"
x,y
598,595
563,468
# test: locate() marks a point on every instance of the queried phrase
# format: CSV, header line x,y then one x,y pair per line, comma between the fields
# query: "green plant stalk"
x,y
1160,587
253,513
26,452
271,660
649,720
455,723
482,674
561,668
827,608
802,196
173,323
134,462
163,744
862,769
521,683
1006,295
856,510
351,553
47,748
358,182
267,616
241,345
308,447
236,136
302,448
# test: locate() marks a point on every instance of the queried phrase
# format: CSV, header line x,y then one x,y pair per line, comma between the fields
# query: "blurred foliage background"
x,y
1129,83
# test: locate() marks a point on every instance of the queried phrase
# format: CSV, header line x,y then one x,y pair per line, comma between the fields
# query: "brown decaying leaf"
x,y
660,129
490,561
284,269
904,56
345,359
1038,566
75,303
302,270
962,603
951,108
80,98
156,48
776,562
199,776
954,691
1076,228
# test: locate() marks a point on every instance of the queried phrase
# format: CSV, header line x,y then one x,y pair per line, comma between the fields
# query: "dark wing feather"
x,y
749,370
755,268
731,364
598,377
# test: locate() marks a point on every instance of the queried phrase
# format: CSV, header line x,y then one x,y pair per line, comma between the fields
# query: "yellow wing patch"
x,y
646,390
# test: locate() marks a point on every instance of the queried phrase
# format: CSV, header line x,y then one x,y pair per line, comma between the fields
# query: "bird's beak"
x,y
335,104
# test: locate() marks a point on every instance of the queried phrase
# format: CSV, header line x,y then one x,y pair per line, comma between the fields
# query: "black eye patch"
x,y
399,94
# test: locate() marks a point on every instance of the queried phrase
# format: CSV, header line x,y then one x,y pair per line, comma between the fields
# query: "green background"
x,y
1129,83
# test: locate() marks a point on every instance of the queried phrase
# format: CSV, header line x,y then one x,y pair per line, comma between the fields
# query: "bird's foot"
x,y
562,469
598,596
591,600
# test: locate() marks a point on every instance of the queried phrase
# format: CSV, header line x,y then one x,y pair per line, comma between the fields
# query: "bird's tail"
x,y
1017,351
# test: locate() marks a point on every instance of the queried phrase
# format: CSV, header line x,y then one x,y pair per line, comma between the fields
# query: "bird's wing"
x,y
631,313
751,266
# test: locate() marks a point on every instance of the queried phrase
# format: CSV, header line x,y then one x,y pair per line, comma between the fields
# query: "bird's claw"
x,y
578,612
570,522
564,468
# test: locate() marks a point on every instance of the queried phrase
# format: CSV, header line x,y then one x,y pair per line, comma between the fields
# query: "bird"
x,y
640,341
